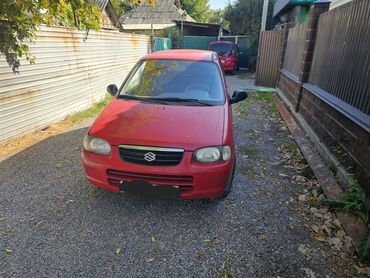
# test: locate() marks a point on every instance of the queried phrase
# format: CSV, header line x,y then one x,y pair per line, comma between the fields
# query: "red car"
x,y
228,54
168,131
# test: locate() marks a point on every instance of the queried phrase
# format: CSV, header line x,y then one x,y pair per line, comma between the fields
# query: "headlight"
x,y
213,154
96,145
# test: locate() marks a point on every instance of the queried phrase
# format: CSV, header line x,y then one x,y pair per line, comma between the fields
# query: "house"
x,y
164,14
292,11
108,18
190,28
160,16
297,11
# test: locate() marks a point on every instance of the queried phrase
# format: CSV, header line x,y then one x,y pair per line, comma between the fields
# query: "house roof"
x,y
163,12
282,6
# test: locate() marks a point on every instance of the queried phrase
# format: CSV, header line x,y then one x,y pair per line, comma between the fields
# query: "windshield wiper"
x,y
192,100
147,99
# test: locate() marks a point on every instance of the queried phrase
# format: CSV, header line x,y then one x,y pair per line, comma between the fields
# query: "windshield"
x,y
169,81
222,49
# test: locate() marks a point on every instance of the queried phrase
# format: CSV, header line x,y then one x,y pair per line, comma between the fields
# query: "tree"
x,y
197,9
123,6
244,18
215,16
19,20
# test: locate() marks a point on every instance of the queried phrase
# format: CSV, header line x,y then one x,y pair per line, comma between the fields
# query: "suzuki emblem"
x,y
149,156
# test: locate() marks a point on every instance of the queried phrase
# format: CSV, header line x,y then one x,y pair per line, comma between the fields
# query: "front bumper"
x,y
195,180
228,66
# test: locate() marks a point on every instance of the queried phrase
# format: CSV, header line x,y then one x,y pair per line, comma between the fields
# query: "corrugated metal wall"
x,y
71,73
341,61
270,49
295,47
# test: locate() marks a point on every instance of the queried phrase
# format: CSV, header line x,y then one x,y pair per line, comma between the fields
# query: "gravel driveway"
x,y
53,223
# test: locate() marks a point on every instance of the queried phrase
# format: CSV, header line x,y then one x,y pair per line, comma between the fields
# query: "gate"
x,y
269,57
162,44
202,42
197,42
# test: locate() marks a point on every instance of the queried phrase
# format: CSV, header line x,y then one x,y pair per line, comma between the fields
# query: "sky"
x,y
216,4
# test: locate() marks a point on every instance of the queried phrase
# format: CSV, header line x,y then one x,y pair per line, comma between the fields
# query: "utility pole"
x,y
264,14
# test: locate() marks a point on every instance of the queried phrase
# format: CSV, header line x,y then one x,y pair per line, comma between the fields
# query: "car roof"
x,y
183,54
222,42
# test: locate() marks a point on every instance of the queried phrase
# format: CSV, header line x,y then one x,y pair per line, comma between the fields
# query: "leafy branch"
x,y
19,20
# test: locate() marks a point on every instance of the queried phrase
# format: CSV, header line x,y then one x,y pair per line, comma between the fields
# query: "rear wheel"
x,y
233,71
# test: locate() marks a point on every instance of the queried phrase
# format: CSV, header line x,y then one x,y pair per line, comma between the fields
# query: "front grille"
x,y
184,182
150,155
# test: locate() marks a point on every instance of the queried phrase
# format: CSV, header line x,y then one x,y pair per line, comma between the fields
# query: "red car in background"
x,y
228,54
168,131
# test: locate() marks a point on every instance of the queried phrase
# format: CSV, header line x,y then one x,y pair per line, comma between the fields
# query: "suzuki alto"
x,y
228,53
168,131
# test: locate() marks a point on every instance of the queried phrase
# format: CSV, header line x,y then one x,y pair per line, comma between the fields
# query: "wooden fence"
x,y
269,57
294,48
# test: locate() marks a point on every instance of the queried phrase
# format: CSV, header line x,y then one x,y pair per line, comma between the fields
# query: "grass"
x,y
354,201
332,167
261,97
292,149
90,112
242,108
250,150
253,134
266,97
298,159
245,75
364,247
247,169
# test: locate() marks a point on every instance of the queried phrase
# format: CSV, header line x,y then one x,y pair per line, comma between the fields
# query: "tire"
x,y
233,72
229,183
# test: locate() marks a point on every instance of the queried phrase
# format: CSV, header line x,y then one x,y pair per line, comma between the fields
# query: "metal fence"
x,y
341,62
71,73
162,44
294,48
197,42
269,57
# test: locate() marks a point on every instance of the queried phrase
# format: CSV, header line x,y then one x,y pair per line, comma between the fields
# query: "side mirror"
x,y
238,95
112,89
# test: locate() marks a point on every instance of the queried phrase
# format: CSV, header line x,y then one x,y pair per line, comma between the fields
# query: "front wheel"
x,y
229,183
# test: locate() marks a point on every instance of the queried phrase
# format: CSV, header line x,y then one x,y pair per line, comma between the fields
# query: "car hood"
x,y
151,124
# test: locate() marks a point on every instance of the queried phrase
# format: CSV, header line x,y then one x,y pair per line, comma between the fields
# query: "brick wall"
x,y
349,142
289,87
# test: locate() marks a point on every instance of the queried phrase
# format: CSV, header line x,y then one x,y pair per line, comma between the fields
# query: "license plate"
x,y
146,189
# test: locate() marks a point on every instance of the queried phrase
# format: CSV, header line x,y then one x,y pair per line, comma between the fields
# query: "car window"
x,y
181,79
222,49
